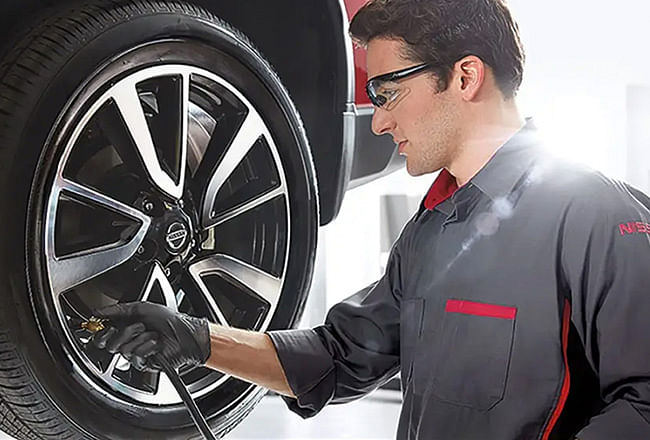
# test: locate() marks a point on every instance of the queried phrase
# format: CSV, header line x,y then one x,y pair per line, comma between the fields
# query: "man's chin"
x,y
415,171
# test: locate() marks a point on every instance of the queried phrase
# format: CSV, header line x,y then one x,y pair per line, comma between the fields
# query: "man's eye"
x,y
389,93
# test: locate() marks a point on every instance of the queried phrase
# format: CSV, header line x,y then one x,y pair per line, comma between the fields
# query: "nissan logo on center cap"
x,y
176,236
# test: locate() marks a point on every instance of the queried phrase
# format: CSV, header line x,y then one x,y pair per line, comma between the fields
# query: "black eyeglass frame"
x,y
372,84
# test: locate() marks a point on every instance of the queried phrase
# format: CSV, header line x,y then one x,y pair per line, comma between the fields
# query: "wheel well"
x,y
303,40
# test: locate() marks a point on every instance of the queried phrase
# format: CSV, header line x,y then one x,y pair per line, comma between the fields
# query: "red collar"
x,y
443,187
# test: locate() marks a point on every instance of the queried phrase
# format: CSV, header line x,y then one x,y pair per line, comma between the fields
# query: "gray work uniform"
x,y
517,308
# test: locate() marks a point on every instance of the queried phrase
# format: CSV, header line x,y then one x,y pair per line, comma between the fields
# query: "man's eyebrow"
x,y
394,69
383,73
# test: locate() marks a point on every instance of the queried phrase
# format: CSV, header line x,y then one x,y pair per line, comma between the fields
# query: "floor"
x,y
371,418
374,417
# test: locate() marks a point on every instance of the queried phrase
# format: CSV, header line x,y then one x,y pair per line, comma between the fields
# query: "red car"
x,y
149,151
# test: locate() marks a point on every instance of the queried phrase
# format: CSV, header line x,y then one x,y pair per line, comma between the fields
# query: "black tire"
x,y
49,80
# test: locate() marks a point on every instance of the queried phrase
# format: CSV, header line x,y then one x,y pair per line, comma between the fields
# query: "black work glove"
x,y
140,331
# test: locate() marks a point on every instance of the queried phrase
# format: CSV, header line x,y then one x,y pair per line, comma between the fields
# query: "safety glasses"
x,y
385,91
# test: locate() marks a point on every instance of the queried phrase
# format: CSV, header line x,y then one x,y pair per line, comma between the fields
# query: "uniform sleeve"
x,y
354,351
606,259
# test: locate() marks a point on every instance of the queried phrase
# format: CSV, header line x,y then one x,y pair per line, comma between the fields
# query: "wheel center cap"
x,y
176,237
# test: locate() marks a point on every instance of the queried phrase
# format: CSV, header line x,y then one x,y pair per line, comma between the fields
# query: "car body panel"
x,y
373,156
360,70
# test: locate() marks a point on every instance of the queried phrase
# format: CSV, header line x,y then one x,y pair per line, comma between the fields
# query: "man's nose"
x,y
382,122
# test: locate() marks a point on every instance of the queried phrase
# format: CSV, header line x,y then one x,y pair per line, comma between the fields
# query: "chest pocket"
x,y
474,349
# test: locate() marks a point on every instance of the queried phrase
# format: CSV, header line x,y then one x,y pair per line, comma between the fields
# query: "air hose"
x,y
94,325
191,405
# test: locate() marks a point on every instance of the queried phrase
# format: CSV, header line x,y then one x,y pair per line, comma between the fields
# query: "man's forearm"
x,y
247,355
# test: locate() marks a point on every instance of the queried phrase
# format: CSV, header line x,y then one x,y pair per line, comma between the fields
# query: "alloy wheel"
x,y
169,189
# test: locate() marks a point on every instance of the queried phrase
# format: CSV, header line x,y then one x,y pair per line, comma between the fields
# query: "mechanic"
x,y
514,303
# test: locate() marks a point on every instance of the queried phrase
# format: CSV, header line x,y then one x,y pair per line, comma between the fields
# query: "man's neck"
x,y
483,140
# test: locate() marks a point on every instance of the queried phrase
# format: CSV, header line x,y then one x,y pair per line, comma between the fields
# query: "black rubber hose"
x,y
198,418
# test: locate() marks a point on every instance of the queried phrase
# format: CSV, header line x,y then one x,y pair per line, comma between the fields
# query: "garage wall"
x,y
638,135
583,55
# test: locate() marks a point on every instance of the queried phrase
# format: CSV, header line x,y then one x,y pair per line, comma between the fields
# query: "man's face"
x,y
425,121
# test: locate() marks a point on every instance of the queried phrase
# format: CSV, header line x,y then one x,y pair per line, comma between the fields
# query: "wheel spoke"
x,y
165,391
158,276
128,101
251,130
108,374
259,282
195,273
252,204
185,126
72,270
180,296
100,199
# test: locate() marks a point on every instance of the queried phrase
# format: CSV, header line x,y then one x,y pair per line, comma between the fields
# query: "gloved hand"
x,y
140,330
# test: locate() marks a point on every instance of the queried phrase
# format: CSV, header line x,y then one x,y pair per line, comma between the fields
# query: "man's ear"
x,y
470,72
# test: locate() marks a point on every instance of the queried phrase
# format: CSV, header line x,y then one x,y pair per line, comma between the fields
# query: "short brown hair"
x,y
441,32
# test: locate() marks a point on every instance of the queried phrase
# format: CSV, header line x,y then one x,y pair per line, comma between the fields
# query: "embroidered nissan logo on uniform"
x,y
634,228
176,236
